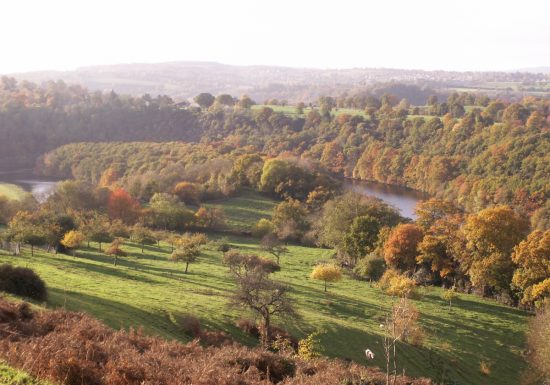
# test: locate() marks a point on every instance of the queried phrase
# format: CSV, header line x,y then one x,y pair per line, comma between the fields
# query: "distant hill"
x,y
536,70
183,80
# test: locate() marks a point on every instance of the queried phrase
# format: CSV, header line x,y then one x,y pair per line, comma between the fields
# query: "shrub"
x,y
310,347
398,285
371,267
23,282
190,325
249,327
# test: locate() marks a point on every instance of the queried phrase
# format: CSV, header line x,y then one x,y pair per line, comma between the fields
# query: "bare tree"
x,y
257,292
273,245
399,325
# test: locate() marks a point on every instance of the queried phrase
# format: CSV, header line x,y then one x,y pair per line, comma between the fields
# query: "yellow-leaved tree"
x,y
532,275
73,240
327,273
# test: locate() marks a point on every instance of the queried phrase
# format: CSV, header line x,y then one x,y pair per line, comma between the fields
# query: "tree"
x,y
490,236
142,235
115,250
532,273
73,240
300,108
121,205
241,265
262,228
272,245
245,102
400,249
225,100
430,211
327,273
399,325
210,217
204,100
25,228
96,228
449,295
188,193
167,213
361,237
371,267
538,341
290,220
188,249
265,297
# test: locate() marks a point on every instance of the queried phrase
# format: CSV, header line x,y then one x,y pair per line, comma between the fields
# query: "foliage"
x,y
115,250
23,282
400,249
188,248
263,228
327,273
532,274
290,220
361,237
372,267
396,284
310,347
491,236
73,240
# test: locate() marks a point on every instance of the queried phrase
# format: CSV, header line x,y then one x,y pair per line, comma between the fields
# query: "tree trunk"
x,y
99,246
266,335
32,250
142,248
115,261
325,286
186,267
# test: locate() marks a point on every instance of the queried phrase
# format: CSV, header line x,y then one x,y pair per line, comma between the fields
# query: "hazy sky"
x,y
425,34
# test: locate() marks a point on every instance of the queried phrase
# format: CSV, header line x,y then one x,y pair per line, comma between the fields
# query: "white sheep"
x,y
369,354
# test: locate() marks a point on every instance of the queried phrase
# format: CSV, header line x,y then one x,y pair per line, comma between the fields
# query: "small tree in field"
x,y
115,251
142,235
327,273
73,240
273,245
449,296
188,249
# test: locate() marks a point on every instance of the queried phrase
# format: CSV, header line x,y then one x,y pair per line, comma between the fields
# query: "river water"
x,y
40,188
402,198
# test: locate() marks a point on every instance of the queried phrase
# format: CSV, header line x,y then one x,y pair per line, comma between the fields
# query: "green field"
x,y
12,191
149,290
245,210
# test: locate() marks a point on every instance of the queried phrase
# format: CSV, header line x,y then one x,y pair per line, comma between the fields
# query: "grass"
x,y
148,290
12,191
11,376
244,211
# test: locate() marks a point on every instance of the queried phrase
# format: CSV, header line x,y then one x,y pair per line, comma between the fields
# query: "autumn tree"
x,y
327,273
361,237
491,235
24,228
142,235
115,250
400,249
95,227
73,240
121,205
290,220
210,217
273,245
262,228
168,213
371,267
188,193
188,249
430,211
532,272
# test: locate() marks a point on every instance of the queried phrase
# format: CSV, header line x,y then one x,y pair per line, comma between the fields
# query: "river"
x,y
402,198
39,187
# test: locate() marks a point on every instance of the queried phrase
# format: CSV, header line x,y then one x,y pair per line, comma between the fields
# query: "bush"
x,y
398,285
371,267
190,325
23,282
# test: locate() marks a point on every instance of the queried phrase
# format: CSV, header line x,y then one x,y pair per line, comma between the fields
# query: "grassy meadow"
x,y
150,291
11,376
12,191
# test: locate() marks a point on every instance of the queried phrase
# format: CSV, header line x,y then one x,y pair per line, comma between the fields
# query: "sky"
x,y
412,34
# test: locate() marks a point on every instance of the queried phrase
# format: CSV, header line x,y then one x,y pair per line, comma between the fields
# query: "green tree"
x,y
204,100
361,237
